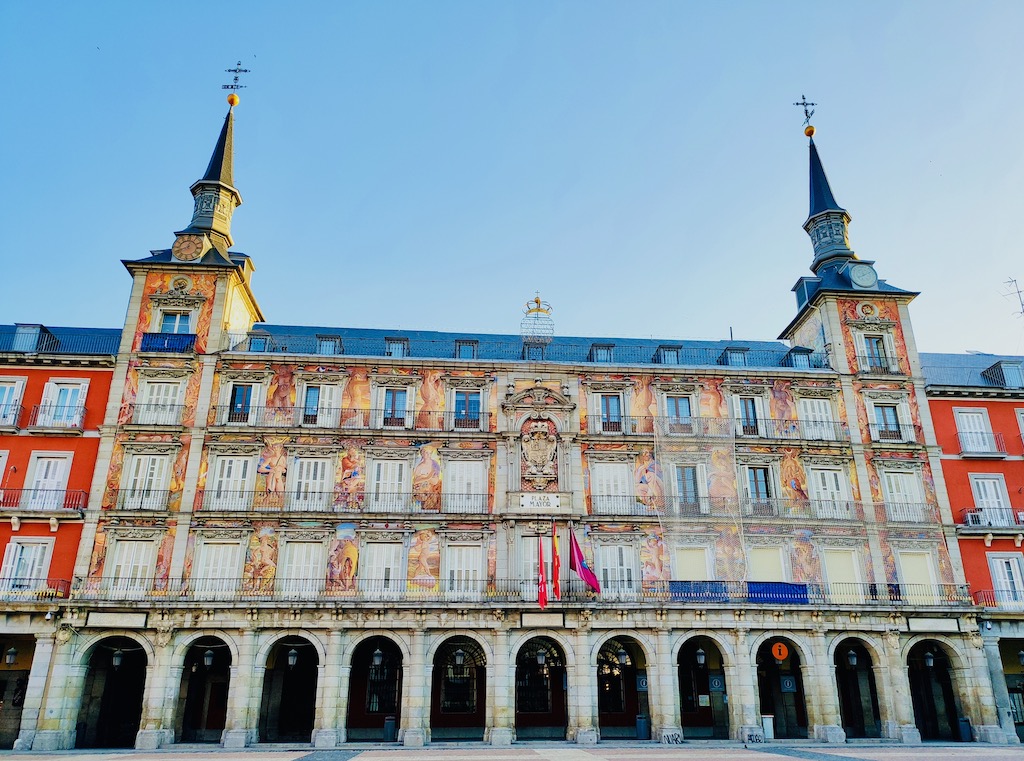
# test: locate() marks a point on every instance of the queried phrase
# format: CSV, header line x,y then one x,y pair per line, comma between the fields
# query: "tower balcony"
x,y
878,365
175,343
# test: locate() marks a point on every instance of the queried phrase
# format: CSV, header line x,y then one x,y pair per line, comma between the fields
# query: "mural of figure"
x,y
426,478
274,466
353,477
425,559
652,559
341,564
722,476
261,563
644,406
794,481
650,489
430,401
712,400
781,405
280,392
355,400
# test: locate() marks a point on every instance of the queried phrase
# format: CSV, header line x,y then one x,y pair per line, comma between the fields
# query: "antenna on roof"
x,y
1015,291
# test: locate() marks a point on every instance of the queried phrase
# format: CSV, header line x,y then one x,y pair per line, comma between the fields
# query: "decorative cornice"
x,y
151,447
204,532
325,376
606,385
890,395
234,447
304,450
391,453
164,373
179,299
889,463
825,461
466,454
814,392
758,459
121,531
369,535
462,536
465,381
675,387
605,455
388,380
257,376
871,323
297,534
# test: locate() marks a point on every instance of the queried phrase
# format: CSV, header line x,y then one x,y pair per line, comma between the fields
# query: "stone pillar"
x,y
344,677
582,686
1001,695
501,690
417,685
41,657
975,681
886,707
898,681
60,704
823,711
326,723
151,734
663,687
237,728
170,706
741,682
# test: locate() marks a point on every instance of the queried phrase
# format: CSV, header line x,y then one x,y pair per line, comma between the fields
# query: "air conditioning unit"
x,y
1020,516
974,519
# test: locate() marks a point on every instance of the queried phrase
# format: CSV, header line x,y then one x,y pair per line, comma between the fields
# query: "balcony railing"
x,y
699,507
981,444
525,591
910,512
991,516
43,499
57,416
142,499
178,343
789,430
39,340
10,415
341,502
879,365
1007,598
31,590
895,434
156,414
321,417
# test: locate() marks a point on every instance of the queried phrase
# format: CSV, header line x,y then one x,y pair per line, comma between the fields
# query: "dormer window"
x,y
735,357
799,357
466,349
533,352
1005,374
601,353
396,347
329,345
668,355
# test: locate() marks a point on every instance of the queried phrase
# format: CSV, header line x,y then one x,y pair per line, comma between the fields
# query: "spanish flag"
x,y
556,564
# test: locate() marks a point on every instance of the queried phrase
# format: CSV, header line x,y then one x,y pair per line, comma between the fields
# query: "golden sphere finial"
x,y
809,131
233,99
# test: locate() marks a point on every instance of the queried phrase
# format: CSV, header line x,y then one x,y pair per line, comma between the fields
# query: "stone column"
x,y
237,728
151,734
417,685
824,694
976,681
662,685
886,708
898,682
582,686
170,706
325,732
41,657
344,678
741,683
501,690
1000,693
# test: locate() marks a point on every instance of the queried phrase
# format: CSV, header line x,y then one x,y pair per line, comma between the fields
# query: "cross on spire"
x,y
237,71
803,102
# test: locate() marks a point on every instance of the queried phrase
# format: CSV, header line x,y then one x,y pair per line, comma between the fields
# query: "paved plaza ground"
x,y
693,751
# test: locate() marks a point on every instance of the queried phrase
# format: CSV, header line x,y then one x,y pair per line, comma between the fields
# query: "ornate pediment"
x,y
814,392
464,381
391,453
606,386
462,536
382,536
389,380
178,297
122,531
302,534
871,324
538,396
825,462
151,447
675,387
888,463
321,376
164,373
892,396
254,376
303,450
756,388
234,447
757,459
610,455
207,532
466,454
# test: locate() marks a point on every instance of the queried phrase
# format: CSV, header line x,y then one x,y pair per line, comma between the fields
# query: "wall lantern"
x,y
851,658
460,657
541,657
293,658
929,659
1020,657
378,657
623,656
117,658
701,656
11,656
208,658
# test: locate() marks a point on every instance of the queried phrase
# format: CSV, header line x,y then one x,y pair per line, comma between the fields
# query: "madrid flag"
x,y
579,564
556,565
542,583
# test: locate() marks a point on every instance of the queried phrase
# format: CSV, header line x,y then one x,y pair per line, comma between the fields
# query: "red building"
x,y
977,405
54,384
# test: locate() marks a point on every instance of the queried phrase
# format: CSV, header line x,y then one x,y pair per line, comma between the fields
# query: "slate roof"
x,y
211,257
56,340
821,193
962,369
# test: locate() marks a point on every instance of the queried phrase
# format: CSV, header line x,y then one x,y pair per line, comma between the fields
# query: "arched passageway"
x,y
203,693
622,708
375,691
858,695
703,698
931,689
780,687
16,653
459,690
541,705
289,692
111,707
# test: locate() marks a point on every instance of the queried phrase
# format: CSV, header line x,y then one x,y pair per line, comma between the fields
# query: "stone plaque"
x,y
933,624
540,501
116,620
545,620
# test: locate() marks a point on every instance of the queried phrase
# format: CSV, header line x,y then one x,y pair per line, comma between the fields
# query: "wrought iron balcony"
x,y
334,417
142,499
991,517
177,343
37,339
43,499
910,512
1005,598
341,502
31,590
874,365
10,415
793,430
704,507
68,417
156,414
981,444
895,433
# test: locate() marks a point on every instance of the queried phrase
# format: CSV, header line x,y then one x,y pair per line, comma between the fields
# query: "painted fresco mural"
x,y
424,561
883,310
343,559
811,332
202,284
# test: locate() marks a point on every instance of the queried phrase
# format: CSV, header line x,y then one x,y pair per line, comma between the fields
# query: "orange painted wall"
x,y
975,559
65,547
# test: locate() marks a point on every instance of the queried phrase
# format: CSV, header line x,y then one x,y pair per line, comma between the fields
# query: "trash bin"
x,y
965,730
390,729
768,725
643,727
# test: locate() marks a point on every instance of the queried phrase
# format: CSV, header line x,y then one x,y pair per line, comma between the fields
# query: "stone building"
x,y
324,535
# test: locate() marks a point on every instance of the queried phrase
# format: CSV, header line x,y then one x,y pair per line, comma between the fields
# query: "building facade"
x,y
977,402
326,535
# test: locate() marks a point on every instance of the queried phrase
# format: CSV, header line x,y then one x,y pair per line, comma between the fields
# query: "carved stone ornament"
x,y
382,536
758,459
884,395
323,375
539,449
693,539
304,534
602,539
922,545
814,392
302,450
143,447
828,542
673,387
466,454
136,532
221,533
234,447
164,373
771,541
254,376
175,299
825,462
604,386
873,324
390,453
892,639
462,381
754,388
462,536
612,455
686,458
386,380
537,396
886,463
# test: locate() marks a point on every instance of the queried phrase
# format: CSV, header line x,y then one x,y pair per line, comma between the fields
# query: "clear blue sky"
x,y
429,165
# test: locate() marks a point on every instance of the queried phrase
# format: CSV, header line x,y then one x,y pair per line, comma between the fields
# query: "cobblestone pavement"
x,y
693,751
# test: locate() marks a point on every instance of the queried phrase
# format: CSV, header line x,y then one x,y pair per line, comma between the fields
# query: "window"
x,y
887,423
749,411
1007,578
229,486
381,572
601,353
47,481
991,500
530,579
902,492
800,359
130,567
63,404
158,403
463,566
690,490
974,431
611,413
396,408
217,569
259,342
465,486
467,410
320,406
465,349
533,352
692,564
144,485
829,493
611,488
668,355
736,357
175,322
618,563
816,420
1012,377
312,483
765,564
242,402
329,345
301,571
391,491
876,353
917,574
26,565
843,576
396,347
759,489
10,401
678,412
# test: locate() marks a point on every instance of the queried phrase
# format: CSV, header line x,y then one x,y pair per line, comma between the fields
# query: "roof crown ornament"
x,y
537,327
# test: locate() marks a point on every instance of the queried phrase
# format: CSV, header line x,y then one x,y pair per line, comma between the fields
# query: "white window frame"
x,y
240,498
397,348
222,584
461,581
925,596
452,421
785,568
46,499
709,562
703,503
837,505
328,407
903,419
392,583
903,510
11,581
300,496
620,580
843,596
6,500
162,312
387,501
379,392
130,587
677,426
458,500
974,442
758,506
760,427
815,428
10,410
257,402
151,496
1001,514
609,426
305,587
54,415
1007,596
622,503
158,413
891,358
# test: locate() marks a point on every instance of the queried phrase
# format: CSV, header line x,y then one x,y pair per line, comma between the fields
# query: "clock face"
x,y
188,247
863,275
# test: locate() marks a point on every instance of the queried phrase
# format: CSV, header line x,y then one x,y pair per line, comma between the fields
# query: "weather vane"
x,y
803,102
237,71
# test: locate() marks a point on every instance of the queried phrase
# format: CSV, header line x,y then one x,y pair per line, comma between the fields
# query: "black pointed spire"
x,y
828,221
821,193
220,168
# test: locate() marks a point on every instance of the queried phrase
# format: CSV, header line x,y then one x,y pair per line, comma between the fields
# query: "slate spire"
x,y
827,223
